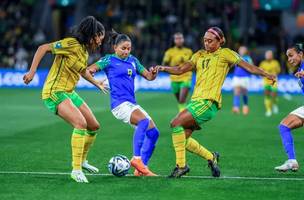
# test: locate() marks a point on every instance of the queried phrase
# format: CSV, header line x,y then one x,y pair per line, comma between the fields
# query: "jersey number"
x,y
130,72
205,63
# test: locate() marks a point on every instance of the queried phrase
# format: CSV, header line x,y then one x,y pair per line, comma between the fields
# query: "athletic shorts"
x,y
298,112
56,98
177,86
271,88
124,111
202,110
240,82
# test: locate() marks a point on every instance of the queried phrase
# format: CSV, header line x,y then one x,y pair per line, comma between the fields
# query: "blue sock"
x,y
139,136
149,144
245,99
236,100
287,141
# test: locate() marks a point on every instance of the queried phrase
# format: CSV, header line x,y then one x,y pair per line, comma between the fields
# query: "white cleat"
x,y
90,168
275,109
290,164
268,113
79,176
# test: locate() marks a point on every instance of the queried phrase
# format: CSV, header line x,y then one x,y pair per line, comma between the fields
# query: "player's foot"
x,y
236,110
179,171
137,173
275,109
290,164
212,164
79,176
245,110
139,165
268,113
89,168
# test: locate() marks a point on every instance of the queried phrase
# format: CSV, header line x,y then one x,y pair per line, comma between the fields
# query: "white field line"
x,y
163,176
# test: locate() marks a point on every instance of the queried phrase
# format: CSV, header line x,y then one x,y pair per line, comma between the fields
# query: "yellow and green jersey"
x,y
70,60
176,57
272,67
211,71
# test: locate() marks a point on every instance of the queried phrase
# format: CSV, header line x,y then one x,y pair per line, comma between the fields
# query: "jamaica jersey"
x,y
70,60
272,67
211,71
175,57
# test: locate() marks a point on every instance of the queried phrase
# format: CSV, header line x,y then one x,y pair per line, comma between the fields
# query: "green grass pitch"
x,y
34,140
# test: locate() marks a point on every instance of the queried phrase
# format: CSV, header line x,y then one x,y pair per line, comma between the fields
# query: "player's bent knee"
x,y
80,124
175,122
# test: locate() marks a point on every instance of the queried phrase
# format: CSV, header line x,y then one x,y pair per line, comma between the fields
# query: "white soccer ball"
x,y
119,165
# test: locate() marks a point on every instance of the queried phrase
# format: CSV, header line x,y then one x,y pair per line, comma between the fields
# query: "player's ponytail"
x,y
218,33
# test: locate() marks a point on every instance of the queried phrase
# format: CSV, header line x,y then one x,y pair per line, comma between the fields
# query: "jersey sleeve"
x,y
167,58
103,62
231,57
139,67
64,47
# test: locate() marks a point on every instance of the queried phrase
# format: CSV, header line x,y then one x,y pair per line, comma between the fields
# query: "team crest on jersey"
x,y
58,45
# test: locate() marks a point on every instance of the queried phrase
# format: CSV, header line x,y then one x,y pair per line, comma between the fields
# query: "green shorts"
x,y
56,98
202,110
271,88
177,86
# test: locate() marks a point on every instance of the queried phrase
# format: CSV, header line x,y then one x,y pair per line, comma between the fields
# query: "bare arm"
x,y
256,70
41,51
186,67
150,75
87,75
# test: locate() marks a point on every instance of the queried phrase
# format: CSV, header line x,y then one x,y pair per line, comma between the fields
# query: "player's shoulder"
x,y
227,50
200,52
71,42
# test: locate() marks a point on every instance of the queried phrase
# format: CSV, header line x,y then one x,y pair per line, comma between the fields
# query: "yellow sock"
x,y
194,147
77,143
268,103
181,107
179,143
88,142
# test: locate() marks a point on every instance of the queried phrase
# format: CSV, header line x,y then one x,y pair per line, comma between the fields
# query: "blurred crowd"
x,y
150,24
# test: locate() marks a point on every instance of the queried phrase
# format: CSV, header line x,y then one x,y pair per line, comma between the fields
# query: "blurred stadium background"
x,y
30,136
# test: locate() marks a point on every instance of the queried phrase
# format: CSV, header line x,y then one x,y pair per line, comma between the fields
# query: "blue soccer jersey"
x,y
301,80
241,72
121,74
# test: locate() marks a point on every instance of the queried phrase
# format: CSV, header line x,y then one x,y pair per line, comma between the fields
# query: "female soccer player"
x,y
271,66
295,119
121,69
71,56
176,56
212,66
240,83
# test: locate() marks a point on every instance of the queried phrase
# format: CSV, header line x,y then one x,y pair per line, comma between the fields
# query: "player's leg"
x,y
267,100
183,93
175,87
70,113
274,95
236,99
245,109
294,120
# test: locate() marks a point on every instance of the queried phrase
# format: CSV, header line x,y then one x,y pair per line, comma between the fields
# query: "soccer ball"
x,y
119,165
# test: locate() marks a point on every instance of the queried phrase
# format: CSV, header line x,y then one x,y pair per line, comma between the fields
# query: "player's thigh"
x,y
237,90
292,121
70,113
183,94
139,114
92,123
183,119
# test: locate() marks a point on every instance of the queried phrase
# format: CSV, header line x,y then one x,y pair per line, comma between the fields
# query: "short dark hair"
x,y
87,29
121,38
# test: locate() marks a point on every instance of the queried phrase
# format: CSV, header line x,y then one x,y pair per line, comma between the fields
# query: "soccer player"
x,y
176,56
121,69
212,66
58,94
295,119
240,83
271,66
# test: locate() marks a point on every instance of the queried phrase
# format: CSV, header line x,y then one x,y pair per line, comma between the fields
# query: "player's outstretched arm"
x,y
41,51
186,67
150,74
88,75
256,70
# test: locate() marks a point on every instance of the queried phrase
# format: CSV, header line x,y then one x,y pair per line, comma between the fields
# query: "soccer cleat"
x,y
236,110
268,113
212,164
288,165
245,110
139,165
79,176
137,173
179,171
90,168
275,109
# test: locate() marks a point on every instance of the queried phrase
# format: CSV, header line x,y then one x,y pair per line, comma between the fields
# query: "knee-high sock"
x,y
179,143
89,137
287,141
194,147
236,101
245,99
139,136
268,103
149,144
77,143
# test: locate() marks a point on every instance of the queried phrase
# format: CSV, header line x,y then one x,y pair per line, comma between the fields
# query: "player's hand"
x,y
300,74
160,68
91,71
28,77
271,77
153,70
103,86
